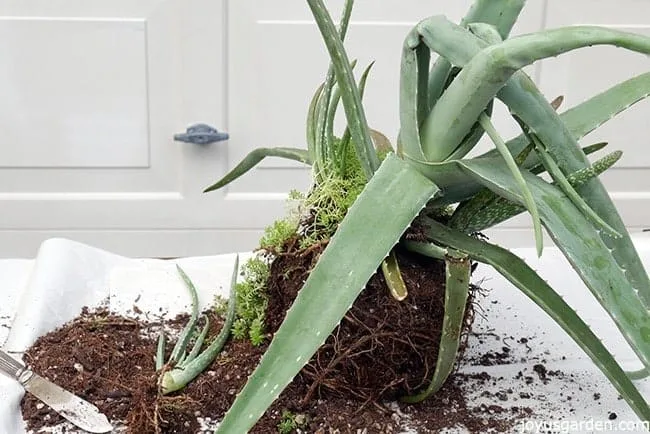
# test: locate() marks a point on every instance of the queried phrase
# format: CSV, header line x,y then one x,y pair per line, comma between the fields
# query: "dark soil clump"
x,y
383,348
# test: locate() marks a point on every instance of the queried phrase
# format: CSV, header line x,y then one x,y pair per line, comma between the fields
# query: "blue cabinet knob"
x,y
201,134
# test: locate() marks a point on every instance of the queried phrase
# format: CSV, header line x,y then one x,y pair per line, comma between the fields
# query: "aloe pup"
x,y
444,110
183,366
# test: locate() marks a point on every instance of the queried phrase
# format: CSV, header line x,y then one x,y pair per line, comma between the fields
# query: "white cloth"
x,y
42,294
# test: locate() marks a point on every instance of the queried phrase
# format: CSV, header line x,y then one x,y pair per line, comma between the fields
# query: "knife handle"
x,y
12,367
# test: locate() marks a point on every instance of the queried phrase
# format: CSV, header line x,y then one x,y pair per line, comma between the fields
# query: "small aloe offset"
x,y
182,366
444,110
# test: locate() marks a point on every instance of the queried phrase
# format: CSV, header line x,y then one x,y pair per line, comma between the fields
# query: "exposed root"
x,y
383,348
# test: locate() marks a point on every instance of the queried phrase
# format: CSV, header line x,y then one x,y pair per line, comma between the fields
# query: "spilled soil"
x,y
108,360
382,349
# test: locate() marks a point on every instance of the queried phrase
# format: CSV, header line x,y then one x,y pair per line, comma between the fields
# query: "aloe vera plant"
x,y
183,366
444,110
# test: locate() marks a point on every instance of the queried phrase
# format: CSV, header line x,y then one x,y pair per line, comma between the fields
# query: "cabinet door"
x,y
93,93
583,73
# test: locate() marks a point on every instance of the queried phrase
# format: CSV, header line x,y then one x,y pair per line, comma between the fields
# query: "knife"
x,y
81,413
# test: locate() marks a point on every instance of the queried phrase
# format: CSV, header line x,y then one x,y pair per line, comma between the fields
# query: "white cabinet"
x,y
93,93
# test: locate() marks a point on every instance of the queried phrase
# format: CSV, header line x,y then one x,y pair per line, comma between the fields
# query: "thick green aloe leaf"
x,y
349,92
421,87
457,271
502,14
524,99
530,283
489,69
255,157
584,249
353,255
528,103
413,102
594,112
487,209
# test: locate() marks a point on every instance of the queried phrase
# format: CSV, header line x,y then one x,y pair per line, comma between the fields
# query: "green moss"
x,y
220,305
251,301
287,423
328,204
277,234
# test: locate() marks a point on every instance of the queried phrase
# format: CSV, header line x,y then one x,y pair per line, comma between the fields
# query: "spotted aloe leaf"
x,y
487,209
350,259
584,249
534,287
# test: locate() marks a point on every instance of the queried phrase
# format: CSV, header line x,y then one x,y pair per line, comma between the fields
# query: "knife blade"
x,y
76,410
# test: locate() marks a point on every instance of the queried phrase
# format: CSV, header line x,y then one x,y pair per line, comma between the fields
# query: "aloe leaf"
x,y
594,112
589,149
472,138
524,99
516,173
561,181
393,277
349,92
178,377
487,209
160,352
534,287
327,145
186,334
457,272
345,266
638,375
198,343
529,104
489,70
413,101
583,247
559,178
486,32
345,139
502,14
311,124
322,142
254,157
